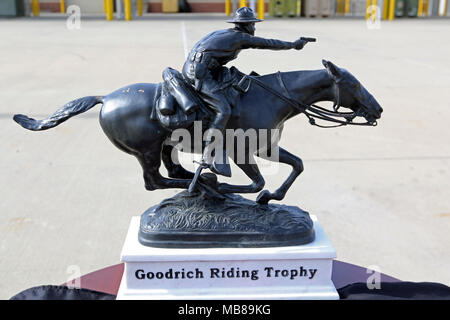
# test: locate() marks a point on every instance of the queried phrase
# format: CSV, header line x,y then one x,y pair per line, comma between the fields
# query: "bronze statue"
x,y
140,118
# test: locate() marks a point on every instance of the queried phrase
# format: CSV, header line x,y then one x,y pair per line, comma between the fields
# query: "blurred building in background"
x,y
385,9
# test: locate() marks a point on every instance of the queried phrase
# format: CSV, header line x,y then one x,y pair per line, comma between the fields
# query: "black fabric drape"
x,y
355,291
396,290
61,293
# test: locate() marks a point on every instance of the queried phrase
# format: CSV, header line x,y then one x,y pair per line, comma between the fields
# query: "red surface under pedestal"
x,y
108,279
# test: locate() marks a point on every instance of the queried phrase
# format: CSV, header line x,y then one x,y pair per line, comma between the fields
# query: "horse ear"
x,y
332,69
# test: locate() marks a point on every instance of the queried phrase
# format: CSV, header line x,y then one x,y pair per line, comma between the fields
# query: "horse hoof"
x,y
264,197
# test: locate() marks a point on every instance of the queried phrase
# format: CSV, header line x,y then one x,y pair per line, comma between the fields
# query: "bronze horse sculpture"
x,y
125,119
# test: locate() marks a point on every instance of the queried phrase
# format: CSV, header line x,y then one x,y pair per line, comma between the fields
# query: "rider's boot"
x,y
217,163
217,101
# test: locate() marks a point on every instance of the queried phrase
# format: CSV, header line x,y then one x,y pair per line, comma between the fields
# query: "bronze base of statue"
x,y
205,219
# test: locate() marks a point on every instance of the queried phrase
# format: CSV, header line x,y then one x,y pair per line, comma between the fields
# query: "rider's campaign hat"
x,y
244,15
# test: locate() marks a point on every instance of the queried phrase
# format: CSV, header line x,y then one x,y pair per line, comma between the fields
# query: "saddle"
x,y
177,104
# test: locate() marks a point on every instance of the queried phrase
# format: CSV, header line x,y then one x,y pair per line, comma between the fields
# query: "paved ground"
x,y
382,194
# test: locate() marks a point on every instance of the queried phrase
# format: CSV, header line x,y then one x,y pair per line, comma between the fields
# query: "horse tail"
x,y
67,111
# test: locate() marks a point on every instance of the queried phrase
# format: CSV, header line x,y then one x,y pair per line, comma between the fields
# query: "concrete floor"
x,y
382,194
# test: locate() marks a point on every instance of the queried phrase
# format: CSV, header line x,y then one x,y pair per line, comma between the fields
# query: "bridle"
x,y
312,112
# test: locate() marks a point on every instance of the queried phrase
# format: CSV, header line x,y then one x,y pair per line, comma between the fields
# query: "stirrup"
x,y
202,163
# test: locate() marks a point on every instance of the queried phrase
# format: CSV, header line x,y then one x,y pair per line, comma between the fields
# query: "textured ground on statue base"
x,y
199,220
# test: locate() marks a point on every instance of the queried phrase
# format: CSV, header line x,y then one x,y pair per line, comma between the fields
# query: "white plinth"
x,y
304,272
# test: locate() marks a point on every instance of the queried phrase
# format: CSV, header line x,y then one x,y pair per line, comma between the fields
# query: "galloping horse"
x,y
125,119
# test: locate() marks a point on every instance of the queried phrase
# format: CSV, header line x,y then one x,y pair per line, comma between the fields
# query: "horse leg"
x,y
252,171
150,162
174,170
297,167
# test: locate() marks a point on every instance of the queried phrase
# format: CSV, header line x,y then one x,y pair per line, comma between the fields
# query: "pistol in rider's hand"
x,y
308,39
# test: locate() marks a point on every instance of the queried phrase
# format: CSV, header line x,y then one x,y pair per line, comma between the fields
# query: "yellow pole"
x,y
140,7
109,8
385,9
261,9
368,4
227,7
35,8
445,8
391,10
339,7
420,8
347,6
127,9
62,6
425,7
374,10
242,3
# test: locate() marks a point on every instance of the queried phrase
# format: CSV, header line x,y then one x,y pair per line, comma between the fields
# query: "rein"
x,y
312,111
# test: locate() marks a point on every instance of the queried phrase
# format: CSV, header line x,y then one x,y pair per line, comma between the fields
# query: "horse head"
x,y
351,93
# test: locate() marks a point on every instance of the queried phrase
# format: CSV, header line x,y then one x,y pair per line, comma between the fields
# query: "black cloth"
x,y
61,293
355,291
396,291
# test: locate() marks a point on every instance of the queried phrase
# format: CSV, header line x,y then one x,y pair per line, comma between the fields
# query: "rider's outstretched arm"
x,y
253,42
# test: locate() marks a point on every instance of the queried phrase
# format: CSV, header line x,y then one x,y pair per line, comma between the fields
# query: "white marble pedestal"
x,y
294,272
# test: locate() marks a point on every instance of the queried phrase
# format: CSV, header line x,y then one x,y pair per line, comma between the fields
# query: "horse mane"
x,y
298,73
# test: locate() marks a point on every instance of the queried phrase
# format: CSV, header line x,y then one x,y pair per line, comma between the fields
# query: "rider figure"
x,y
204,67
